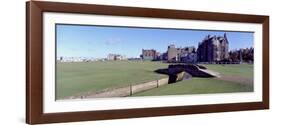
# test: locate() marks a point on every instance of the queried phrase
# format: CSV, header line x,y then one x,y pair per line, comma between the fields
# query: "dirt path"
x,y
238,79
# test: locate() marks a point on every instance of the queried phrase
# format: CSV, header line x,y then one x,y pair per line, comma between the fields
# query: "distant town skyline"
x,y
99,41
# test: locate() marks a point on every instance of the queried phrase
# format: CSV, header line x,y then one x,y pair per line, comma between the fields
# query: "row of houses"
x,y
210,49
116,57
110,57
76,59
173,54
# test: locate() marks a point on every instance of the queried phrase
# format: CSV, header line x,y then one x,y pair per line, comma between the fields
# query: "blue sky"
x,y
99,41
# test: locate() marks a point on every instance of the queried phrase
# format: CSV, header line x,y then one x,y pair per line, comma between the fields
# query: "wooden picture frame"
x,y
34,61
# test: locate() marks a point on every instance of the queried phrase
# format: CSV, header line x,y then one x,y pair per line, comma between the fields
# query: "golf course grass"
x,y
74,78
209,85
80,77
198,86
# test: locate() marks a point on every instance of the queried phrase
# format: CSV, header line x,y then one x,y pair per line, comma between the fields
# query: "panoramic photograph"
x,y
113,61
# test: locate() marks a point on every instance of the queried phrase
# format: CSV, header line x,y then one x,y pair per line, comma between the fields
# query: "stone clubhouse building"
x,y
213,49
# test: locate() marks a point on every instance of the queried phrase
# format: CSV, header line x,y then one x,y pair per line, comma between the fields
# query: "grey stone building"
x,y
213,49
173,53
186,54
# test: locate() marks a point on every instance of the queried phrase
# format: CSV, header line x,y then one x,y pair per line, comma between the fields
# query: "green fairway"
x,y
80,77
210,85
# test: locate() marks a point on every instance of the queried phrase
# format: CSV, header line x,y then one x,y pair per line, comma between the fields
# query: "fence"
x,y
125,91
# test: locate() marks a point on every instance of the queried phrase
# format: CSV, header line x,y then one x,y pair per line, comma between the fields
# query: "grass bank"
x,y
79,77
210,85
